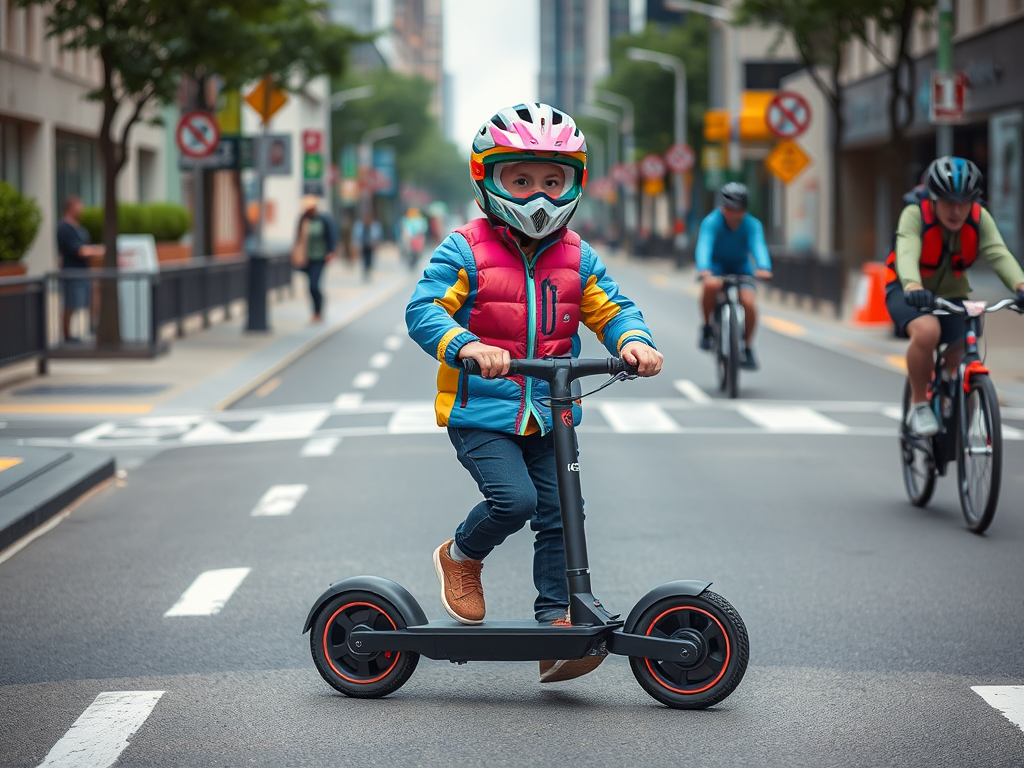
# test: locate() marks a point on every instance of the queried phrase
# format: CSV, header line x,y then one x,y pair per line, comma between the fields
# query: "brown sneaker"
x,y
567,669
462,594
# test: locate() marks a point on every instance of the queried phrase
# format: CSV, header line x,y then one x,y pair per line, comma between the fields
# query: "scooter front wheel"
x,y
360,675
716,629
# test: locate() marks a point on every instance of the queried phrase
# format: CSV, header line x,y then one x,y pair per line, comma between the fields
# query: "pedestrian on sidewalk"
x,y
75,249
472,303
366,235
316,243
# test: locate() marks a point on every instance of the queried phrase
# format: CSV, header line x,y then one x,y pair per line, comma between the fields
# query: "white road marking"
x,y
393,343
380,360
348,401
691,391
365,380
208,431
209,592
1009,433
401,328
637,417
1012,433
893,412
1008,699
93,434
297,423
413,419
320,446
280,500
101,733
790,418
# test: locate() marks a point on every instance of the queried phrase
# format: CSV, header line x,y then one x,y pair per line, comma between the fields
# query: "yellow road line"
x,y
897,361
76,408
6,462
269,387
785,327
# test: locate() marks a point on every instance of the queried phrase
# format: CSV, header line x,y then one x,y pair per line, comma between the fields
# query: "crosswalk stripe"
x,y
299,423
320,446
101,733
380,360
209,592
1012,433
365,380
790,418
279,500
637,417
348,401
1008,699
413,419
208,431
95,433
691,391
393,343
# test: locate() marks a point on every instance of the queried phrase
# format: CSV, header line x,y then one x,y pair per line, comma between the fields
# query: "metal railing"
x,y
59,314
808,275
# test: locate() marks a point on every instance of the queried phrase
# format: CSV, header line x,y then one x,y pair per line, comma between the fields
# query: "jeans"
x,y
314,269
517,477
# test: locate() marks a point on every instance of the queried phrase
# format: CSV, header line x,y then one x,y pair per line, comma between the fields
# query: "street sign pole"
x,y
944,64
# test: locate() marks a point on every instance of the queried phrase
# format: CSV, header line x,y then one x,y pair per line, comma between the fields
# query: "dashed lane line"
x,y
380,360
365,380
790,418
348,401
320,447
1008,699
209,592
101,733
393,343
279,500
692,392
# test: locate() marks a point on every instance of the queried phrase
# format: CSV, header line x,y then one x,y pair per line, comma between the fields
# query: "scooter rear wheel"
x,y
363,676
709,621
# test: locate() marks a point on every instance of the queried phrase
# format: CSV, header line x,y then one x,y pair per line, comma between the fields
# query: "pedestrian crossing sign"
x,y
786,161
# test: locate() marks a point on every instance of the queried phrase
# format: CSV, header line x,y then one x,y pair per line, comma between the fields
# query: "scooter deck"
x,y
521,640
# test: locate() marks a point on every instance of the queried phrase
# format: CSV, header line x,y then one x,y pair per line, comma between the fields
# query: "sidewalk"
x,y
208,369
1002,344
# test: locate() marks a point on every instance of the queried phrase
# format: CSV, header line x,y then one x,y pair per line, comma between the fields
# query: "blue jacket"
x,y
726,251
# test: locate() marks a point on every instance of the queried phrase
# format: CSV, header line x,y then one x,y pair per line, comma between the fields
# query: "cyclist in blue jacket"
x,y
729,237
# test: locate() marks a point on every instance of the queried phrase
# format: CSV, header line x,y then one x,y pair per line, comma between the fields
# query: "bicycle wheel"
x,y
917,459
735,334
720,330
718,632
980,454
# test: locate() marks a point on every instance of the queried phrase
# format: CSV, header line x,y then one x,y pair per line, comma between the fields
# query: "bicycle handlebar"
x,y
545,369
948,306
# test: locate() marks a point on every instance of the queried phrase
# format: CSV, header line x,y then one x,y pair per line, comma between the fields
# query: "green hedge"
x,y
20,218
164,221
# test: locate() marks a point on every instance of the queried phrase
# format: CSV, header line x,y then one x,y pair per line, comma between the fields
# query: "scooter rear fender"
x,y
684,587
391,591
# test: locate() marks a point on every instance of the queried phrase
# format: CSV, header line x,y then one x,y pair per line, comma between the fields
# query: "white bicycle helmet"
x,y
529,133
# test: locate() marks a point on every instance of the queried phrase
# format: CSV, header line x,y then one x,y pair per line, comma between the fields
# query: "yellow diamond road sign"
x,y
266,99
786,161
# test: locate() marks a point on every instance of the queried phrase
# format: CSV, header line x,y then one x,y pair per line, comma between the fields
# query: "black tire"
x,y
721,361
979,456
363,677
735,335
918,464
725,643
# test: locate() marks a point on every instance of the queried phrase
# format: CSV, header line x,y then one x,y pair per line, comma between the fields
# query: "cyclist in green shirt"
x,y
939,236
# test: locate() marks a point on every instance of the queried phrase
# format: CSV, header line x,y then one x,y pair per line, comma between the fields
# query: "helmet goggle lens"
x,y
568,192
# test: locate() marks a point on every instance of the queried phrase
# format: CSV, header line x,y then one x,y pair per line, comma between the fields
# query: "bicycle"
x,y
970,431
728,327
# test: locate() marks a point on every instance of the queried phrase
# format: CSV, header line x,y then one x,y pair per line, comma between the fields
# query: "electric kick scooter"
x,y
687,646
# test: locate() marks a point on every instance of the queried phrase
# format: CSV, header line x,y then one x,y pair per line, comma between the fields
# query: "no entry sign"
x,y
652,167
788,115
197,135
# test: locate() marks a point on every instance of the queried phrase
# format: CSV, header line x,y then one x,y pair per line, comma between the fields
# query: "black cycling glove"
x,y
921,298
1020,299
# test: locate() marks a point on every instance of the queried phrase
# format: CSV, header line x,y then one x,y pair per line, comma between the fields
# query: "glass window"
x,y
79,170
10,153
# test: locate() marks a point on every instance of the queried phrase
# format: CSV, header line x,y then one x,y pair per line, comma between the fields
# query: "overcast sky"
x,y
492,51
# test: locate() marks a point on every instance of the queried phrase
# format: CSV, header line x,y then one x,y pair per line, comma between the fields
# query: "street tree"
x,y
147,47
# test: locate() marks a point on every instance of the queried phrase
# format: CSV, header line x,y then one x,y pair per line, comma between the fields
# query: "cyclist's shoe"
x,y
921,420
707,338
749,360
462,594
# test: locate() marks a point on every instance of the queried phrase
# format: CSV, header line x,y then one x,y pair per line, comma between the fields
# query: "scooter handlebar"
x,y
545,369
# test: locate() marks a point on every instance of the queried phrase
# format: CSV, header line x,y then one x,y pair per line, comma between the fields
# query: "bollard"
x,y
258,319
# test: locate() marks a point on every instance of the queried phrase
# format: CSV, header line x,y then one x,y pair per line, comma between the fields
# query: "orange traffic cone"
x,y
870,302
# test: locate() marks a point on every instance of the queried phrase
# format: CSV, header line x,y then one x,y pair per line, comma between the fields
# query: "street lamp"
x,y
675,65
733,85
366,155
627,125
614,138
339,99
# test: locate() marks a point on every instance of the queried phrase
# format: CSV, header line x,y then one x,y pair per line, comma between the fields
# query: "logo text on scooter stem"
x,y
574,466
567,417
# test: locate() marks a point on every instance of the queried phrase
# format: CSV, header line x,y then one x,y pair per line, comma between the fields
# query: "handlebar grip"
x,y
617,365
471,366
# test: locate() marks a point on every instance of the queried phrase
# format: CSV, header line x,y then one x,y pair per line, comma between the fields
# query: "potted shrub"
x,y
166,222
20,218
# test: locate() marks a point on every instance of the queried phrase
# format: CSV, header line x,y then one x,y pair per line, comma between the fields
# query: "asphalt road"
x,y
869,620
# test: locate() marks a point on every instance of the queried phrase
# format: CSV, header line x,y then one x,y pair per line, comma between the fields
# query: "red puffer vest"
x,y
532,310
932,246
